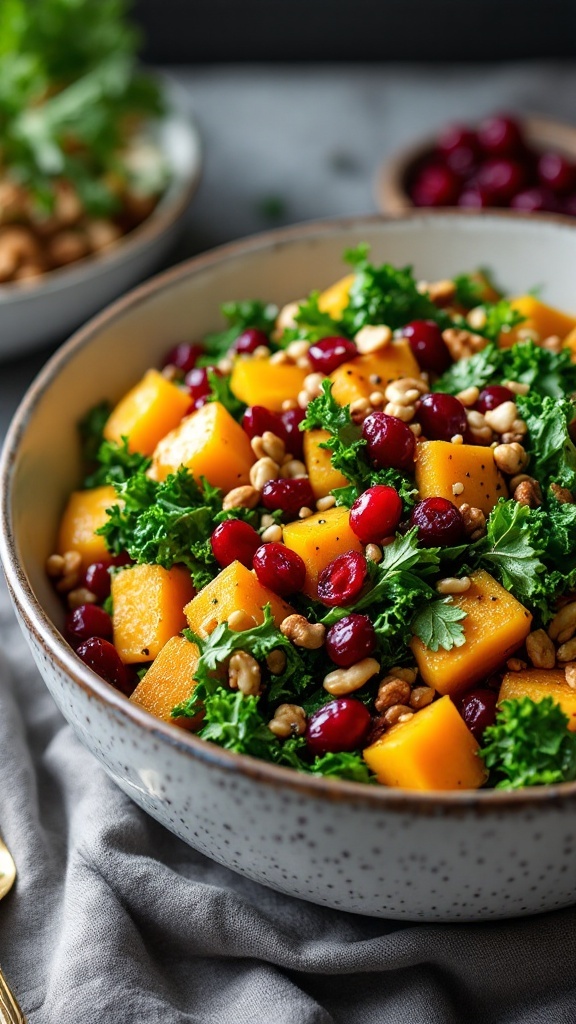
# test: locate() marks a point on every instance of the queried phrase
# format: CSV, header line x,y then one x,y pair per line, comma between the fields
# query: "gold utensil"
x,y
10,1012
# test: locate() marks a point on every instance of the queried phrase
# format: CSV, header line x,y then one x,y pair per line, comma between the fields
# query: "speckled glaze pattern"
x,y
386,853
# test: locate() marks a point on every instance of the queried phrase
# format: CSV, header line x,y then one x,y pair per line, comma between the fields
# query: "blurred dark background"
x,y
202,31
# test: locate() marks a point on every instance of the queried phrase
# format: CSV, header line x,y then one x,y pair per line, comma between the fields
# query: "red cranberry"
x,y
338,726
288,495
198,384
473,198
442,416
234,540
535,200
329,353
389,441
183,356
376,514
350,639
455,136
500,136
493,396
88,620
439,523
249,341
293,437
556,172
96,578
279,568
342,580
500,179
427,344
436,185
257,419
478,709
101,656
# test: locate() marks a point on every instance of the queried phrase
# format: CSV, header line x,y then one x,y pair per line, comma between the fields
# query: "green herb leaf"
x,y
507,551
439,624
343,766
91,429
552,451
530,745
116,464
313,323
384,295
220,391
249,313
546,373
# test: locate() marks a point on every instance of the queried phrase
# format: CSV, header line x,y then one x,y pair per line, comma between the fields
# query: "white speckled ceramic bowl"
x,y
370,850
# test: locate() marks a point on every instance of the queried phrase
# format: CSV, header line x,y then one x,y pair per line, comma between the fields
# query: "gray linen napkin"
x,y
113,919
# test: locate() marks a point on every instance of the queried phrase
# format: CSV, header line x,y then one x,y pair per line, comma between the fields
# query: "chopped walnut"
x,y
562,494
392,691
474,521
289,720
461,343
540,649
528,493
303,633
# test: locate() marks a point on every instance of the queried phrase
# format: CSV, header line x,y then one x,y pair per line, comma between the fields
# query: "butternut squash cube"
x,y
209,443
538,683
356,378
148,604
260,382
440,465
323,477
318,540
546,320
432,750
149,410
496,624
234,589
570,342
168,681
83,515
335,298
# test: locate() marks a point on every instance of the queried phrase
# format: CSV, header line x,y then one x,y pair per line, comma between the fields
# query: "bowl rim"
x,y
388,188
47,637
171,205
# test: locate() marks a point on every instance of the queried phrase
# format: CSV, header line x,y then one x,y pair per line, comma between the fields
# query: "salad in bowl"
x,y
339,536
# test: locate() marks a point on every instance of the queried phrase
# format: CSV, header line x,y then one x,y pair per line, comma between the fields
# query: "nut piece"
x,y
528,493
244,674
397,713
403,672
540,649
276,662
441,293
273,446
241,497
511,458
563,625
80,596
323,504
461,343
303,633
469,396
346,680
272,534
562,494
567,651
289,720
570,673
263,471
453,585
54,566
421,696
241,620
516,665
392,691
293,469
372,338
373,553
474,521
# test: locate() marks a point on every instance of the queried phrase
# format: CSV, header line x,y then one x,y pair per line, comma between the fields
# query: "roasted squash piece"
x,y
440,465
570,342
546,320
323,477
261,382
234,589
335,298
359,377
148,603
496,624
168,681
83,515
318,540
209,443
538,683
432,750
149,410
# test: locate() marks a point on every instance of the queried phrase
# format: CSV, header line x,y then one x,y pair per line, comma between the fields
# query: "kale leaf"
x,y
384,295
220,391
240,316
546,373
312,323
552,451
116,464
91,430
530,745
343,766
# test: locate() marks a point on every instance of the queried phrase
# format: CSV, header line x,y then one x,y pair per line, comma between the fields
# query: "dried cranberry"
x,y
88,620
101,656
436,185
459,148
249,341
535,200
338,726
389,441
473,198
493,396
478,709
96,578
342,580
500,135
427,344
183,356
289,496
234,540
442,416
500,179
556,172
376,514
257,420
350,639
328,354
279,568
439,522
198,384
293,437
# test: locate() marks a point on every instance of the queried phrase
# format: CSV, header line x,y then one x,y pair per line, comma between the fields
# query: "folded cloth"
x,y
113,919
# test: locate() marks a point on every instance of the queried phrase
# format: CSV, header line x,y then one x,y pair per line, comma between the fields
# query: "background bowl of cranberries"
x,y
368,849
524,164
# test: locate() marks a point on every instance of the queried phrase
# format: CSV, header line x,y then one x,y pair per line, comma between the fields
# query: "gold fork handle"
x,y
10,1012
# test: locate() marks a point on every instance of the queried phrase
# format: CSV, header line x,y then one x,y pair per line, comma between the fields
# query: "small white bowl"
x,y
36,312
367,849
